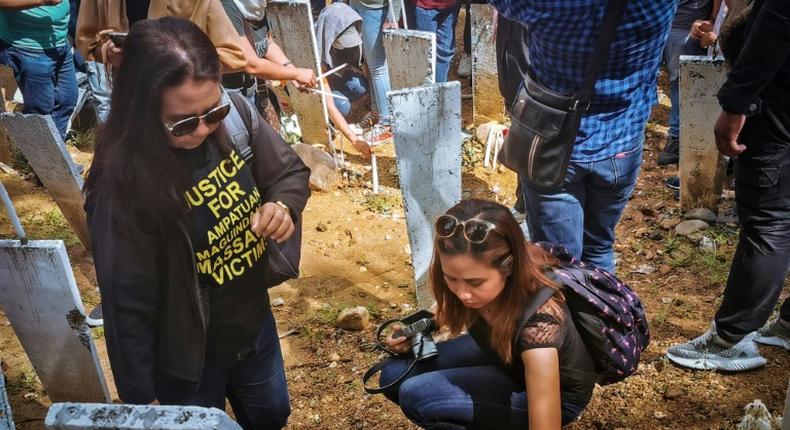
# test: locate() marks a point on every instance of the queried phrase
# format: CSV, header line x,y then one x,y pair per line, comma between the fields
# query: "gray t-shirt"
x,y
690,11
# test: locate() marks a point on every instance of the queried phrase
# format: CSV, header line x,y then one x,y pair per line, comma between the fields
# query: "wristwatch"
x,y
284,206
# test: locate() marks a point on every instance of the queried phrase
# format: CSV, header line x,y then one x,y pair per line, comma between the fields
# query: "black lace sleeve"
x,y
544,330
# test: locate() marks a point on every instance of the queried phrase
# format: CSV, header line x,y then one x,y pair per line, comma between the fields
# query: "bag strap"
x,y
600,55
241,131
539,299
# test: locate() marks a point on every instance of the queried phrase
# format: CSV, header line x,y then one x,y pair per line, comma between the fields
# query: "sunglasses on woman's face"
x,y
475,230
188,125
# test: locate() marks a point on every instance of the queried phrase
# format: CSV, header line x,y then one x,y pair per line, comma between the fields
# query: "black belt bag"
x,y
544,123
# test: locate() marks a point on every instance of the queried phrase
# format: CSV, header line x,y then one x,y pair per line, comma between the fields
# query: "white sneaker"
x,y
711,352
776,333
465,66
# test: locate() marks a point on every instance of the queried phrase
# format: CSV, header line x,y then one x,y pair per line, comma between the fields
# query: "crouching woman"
x,y
189,229
502,374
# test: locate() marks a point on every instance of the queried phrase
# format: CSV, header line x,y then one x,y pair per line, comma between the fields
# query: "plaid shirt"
x,y
562,35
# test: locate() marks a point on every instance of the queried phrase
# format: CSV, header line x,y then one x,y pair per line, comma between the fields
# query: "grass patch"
x,y
49,224
382,203
26,382
713,265
471,154
81,139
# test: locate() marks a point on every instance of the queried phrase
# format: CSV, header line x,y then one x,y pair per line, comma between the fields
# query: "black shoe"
x,y
671,152
95,317
673,182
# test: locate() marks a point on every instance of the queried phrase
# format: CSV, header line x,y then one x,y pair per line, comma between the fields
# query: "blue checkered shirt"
x,y
561,40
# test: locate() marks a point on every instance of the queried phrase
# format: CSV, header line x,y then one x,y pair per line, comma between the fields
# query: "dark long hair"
x,y
134,169
525,278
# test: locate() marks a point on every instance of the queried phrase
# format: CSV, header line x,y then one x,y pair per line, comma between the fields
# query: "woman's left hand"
x,y
272,220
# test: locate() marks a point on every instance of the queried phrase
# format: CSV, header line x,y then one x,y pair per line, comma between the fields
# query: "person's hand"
x,y
155,402
699,27
390,25
305,78
398,345
272,220
112,54
708,39
726,130
362,146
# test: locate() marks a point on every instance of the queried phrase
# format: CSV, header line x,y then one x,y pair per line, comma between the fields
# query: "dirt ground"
x,y
355,253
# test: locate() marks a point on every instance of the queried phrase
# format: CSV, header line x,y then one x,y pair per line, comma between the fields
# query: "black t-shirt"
x,y
545,329
229,256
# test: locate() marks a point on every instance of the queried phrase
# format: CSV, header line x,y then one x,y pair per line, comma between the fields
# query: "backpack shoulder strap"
x,y
241,124
539,299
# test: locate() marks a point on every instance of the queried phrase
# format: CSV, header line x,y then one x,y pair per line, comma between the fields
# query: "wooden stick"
x,y
325,74
337,96
374,171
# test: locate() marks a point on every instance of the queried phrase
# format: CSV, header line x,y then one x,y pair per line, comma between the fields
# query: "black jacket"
x,y
761,74
154,312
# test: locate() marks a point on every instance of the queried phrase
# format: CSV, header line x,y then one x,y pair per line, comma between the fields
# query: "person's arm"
x,y
269,70
26,4
126,260
224,38
340,122
765,51
542,374
96,18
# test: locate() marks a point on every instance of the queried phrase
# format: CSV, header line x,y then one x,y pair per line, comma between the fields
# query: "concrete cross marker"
x,y
40,298
488,104
426,123
7,89
291,25
6,418
702,167
411,58
92,416
40,142
786,414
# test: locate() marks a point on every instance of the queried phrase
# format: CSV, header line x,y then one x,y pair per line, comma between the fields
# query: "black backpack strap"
x,y
600,54
242,124
539,299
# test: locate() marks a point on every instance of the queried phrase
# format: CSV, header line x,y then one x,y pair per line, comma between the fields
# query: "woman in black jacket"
x,y
188,231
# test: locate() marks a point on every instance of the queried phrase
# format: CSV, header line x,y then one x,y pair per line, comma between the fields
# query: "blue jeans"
x,y
100,89
47,81
255,385
350,85
462,388
373,50
678,43
439,21
582,215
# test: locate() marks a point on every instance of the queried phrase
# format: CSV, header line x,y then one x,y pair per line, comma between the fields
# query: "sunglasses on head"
x,y
475,230
188,125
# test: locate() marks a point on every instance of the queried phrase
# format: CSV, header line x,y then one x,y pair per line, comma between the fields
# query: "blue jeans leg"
x,y
100,89
582,215
442,22
255,386
463,388
678,43
351,86
47,81
375,57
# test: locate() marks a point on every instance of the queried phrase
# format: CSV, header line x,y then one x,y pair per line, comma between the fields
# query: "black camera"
x,y
418,328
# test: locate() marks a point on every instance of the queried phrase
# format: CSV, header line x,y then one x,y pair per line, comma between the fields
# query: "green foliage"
x,y
49,225
381,203
471,154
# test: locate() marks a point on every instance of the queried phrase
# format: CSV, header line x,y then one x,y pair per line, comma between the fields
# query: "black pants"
x,y
511,55
762,259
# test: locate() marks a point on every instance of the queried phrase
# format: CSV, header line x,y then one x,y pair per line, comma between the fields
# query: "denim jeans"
x,y
255,385
582,215
100,89
762,258
678,43
350,85
462,388
373,50
439,21
47,80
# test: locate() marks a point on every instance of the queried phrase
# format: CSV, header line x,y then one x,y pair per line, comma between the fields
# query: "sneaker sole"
x,y
773,341
739,365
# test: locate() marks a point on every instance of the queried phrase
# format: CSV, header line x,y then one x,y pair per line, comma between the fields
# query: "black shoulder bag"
x,y
544,123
